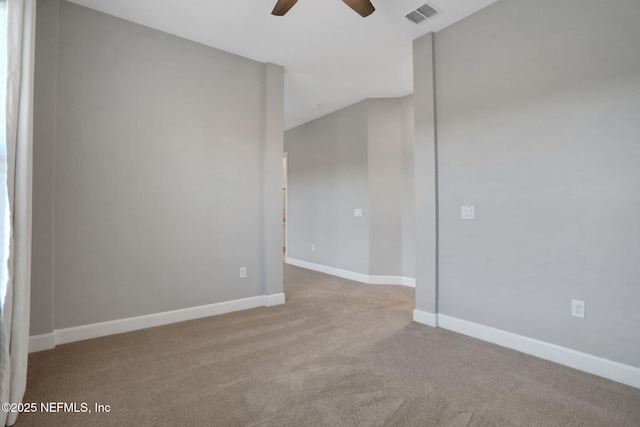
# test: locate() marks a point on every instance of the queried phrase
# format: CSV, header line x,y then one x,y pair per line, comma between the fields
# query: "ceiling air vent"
x,y
415,17
427,10
421,14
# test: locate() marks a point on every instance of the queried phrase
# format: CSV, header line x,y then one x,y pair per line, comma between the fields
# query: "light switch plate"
x,y
357,212
468,212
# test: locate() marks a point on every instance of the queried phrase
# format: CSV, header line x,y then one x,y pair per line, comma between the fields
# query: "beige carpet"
x,y
338,353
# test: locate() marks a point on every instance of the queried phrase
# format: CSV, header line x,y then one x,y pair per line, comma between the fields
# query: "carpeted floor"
x,y
338,353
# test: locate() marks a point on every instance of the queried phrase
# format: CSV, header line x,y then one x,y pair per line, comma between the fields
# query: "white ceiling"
x,y
333,57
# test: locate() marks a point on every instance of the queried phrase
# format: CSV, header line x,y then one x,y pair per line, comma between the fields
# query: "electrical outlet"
x,y
468,212
357,212
578,308
243,272
313,248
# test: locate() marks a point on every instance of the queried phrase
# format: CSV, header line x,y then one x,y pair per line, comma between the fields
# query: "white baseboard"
x,y
42,342
95,330
408,281
346,274
358,277
609,369
425,318
275,299
392,280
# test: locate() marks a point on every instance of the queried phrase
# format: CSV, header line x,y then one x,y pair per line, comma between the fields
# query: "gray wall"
x,y
327,180
426,208
353,158
164,171
271,152
385,186
44,142
408,190
537,106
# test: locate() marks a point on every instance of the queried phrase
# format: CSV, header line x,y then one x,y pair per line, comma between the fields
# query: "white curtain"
x,y
14,330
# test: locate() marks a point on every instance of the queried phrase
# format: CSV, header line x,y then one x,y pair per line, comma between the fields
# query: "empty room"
x,y
320,213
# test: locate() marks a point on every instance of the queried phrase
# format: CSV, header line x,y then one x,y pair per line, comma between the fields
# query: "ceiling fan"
x,y
363,7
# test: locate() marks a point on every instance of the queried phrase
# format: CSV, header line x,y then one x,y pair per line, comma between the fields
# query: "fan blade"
x,y
363,7
283,7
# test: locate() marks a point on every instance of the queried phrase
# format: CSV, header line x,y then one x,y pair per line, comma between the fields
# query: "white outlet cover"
x,y
357,212
578,308
468,212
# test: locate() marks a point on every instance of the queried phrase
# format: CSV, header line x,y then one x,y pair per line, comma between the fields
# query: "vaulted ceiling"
x,y
333,57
